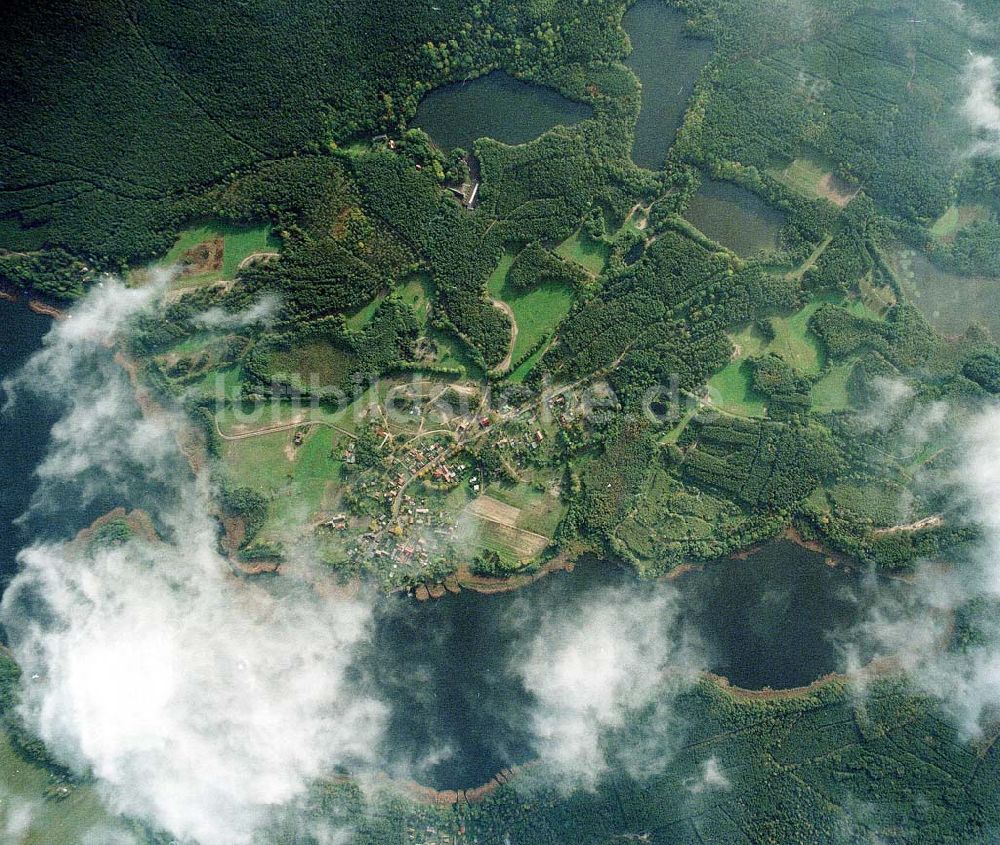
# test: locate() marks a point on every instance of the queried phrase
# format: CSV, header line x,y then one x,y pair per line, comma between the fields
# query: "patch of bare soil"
x,y
912,527
138,521
203,258
835,189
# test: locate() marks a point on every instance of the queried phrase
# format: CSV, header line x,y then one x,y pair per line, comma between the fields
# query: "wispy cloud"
x,y
981,107
262,311
914,622
199,702
593,668
711,779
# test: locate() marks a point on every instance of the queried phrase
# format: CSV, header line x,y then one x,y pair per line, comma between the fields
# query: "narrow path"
x,y
256,256
504,365
927,522
273,429
810,261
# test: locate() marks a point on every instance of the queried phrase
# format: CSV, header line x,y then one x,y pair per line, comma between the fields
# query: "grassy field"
x,y
29,816
521,371
802,175
956,218
749,342
452,353
238,243
731,392
540,511
359,319
298,480
498,278
581,248
537,312
947,224
416,293
813,177
830,392
794,342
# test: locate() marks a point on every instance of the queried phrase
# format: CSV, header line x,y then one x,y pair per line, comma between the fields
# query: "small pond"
x,y
494,106
951,303
735,217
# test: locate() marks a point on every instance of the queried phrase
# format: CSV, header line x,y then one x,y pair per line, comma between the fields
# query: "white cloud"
x,y
262,311
593,667
981,107
913,623
16,816
711,779
199,702
889,397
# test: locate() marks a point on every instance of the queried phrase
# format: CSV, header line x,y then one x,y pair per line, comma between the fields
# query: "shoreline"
x,y
793,535
464,579
450,797
36,304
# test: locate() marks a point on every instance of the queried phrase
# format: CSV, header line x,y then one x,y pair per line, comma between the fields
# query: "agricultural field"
x,y
215,251
496,526
539,511
813,179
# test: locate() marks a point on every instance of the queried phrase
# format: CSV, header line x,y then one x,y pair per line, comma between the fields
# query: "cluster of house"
x,y
338,522
432,836
406,540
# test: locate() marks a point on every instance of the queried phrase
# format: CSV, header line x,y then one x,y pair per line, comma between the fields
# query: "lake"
x,y
459,708
461,712
735,217
951,303
24,433
494,106
667,61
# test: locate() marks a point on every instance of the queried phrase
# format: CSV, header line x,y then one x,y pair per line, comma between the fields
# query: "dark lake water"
x,y
447,665
735,217
667,61
24,433
460,711
67,505
494,106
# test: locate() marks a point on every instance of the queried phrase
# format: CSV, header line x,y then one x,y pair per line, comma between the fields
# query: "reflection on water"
x,y
460,710
23,431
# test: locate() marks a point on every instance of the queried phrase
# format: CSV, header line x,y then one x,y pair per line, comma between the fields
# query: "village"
x,y
446,483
